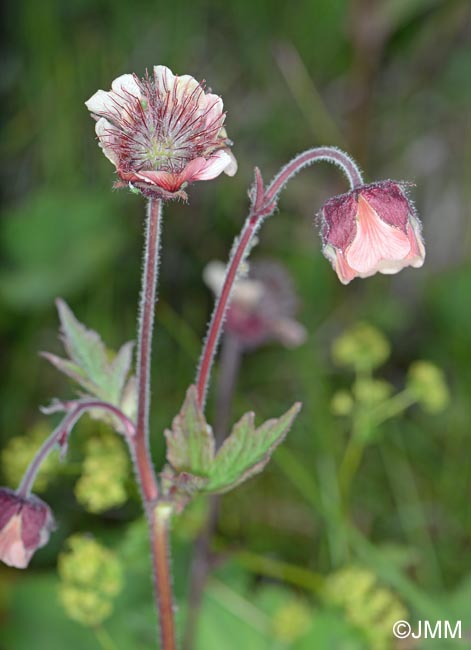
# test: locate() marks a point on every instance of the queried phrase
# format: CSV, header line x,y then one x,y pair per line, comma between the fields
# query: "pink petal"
x,y
201,169
165,180
374,242
416,256
12,549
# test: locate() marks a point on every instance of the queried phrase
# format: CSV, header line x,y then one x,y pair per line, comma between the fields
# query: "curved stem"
x,y
326,154
145,469
61,433
263,205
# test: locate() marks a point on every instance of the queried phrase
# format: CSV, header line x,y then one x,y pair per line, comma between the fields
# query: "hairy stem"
x,y
143,461
263,206
201,561
61,433
158,513
159,524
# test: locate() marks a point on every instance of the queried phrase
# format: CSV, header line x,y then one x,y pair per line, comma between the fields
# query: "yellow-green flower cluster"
x,y
105,472
91,577
292,621
363,347
427,383
368,606
21,450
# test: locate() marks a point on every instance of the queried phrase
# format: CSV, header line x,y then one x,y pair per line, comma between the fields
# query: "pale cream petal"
x,y
126,83
232,167
214,108
289,332
186,87
164,77
104,131
375,241
100,102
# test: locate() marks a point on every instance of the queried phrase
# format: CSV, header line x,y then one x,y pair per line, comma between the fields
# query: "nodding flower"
x,y
25,526
371,228
162,132
263,305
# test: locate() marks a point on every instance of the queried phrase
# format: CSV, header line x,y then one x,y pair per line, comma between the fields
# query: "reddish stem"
x,y
143,461
159,524
61,433
158,512
263,205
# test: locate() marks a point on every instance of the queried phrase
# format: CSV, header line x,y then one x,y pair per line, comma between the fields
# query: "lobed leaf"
x,y
190,442
248,450
100,372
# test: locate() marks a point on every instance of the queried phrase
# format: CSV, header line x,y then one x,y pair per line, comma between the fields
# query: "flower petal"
x,y
214,108
416,256
126,85
164,77
104,131
201,169
12,549
374,242
100,102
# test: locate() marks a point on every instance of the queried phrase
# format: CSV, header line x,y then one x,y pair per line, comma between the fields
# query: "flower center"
x,y
160,152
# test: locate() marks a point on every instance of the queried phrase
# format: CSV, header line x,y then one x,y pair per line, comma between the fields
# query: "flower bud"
x,y
25,525
371,228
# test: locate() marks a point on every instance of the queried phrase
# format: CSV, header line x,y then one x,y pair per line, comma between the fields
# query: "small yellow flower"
x,y
91,577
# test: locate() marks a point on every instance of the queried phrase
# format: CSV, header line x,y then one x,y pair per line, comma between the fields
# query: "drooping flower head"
x,y
25,526
369,229
162,132
263,305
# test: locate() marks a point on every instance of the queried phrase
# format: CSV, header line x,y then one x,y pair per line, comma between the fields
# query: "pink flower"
x,y
162,132
371,228
25,525
262,307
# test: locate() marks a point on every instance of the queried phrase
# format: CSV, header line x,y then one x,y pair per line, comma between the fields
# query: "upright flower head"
x,y
162,132
25,526
371,228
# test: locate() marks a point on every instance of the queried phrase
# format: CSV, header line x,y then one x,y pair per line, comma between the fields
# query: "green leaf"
x,y
248,450
191,450
101,373
190,442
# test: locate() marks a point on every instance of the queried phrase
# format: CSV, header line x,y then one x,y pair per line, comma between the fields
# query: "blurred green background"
x,y
389,82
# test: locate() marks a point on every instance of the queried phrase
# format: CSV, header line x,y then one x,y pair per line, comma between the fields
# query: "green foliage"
x,y
102,373
54,243
245,452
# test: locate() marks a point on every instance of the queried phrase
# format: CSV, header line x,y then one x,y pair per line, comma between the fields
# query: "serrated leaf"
x,y
248,449
190,442
101,373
